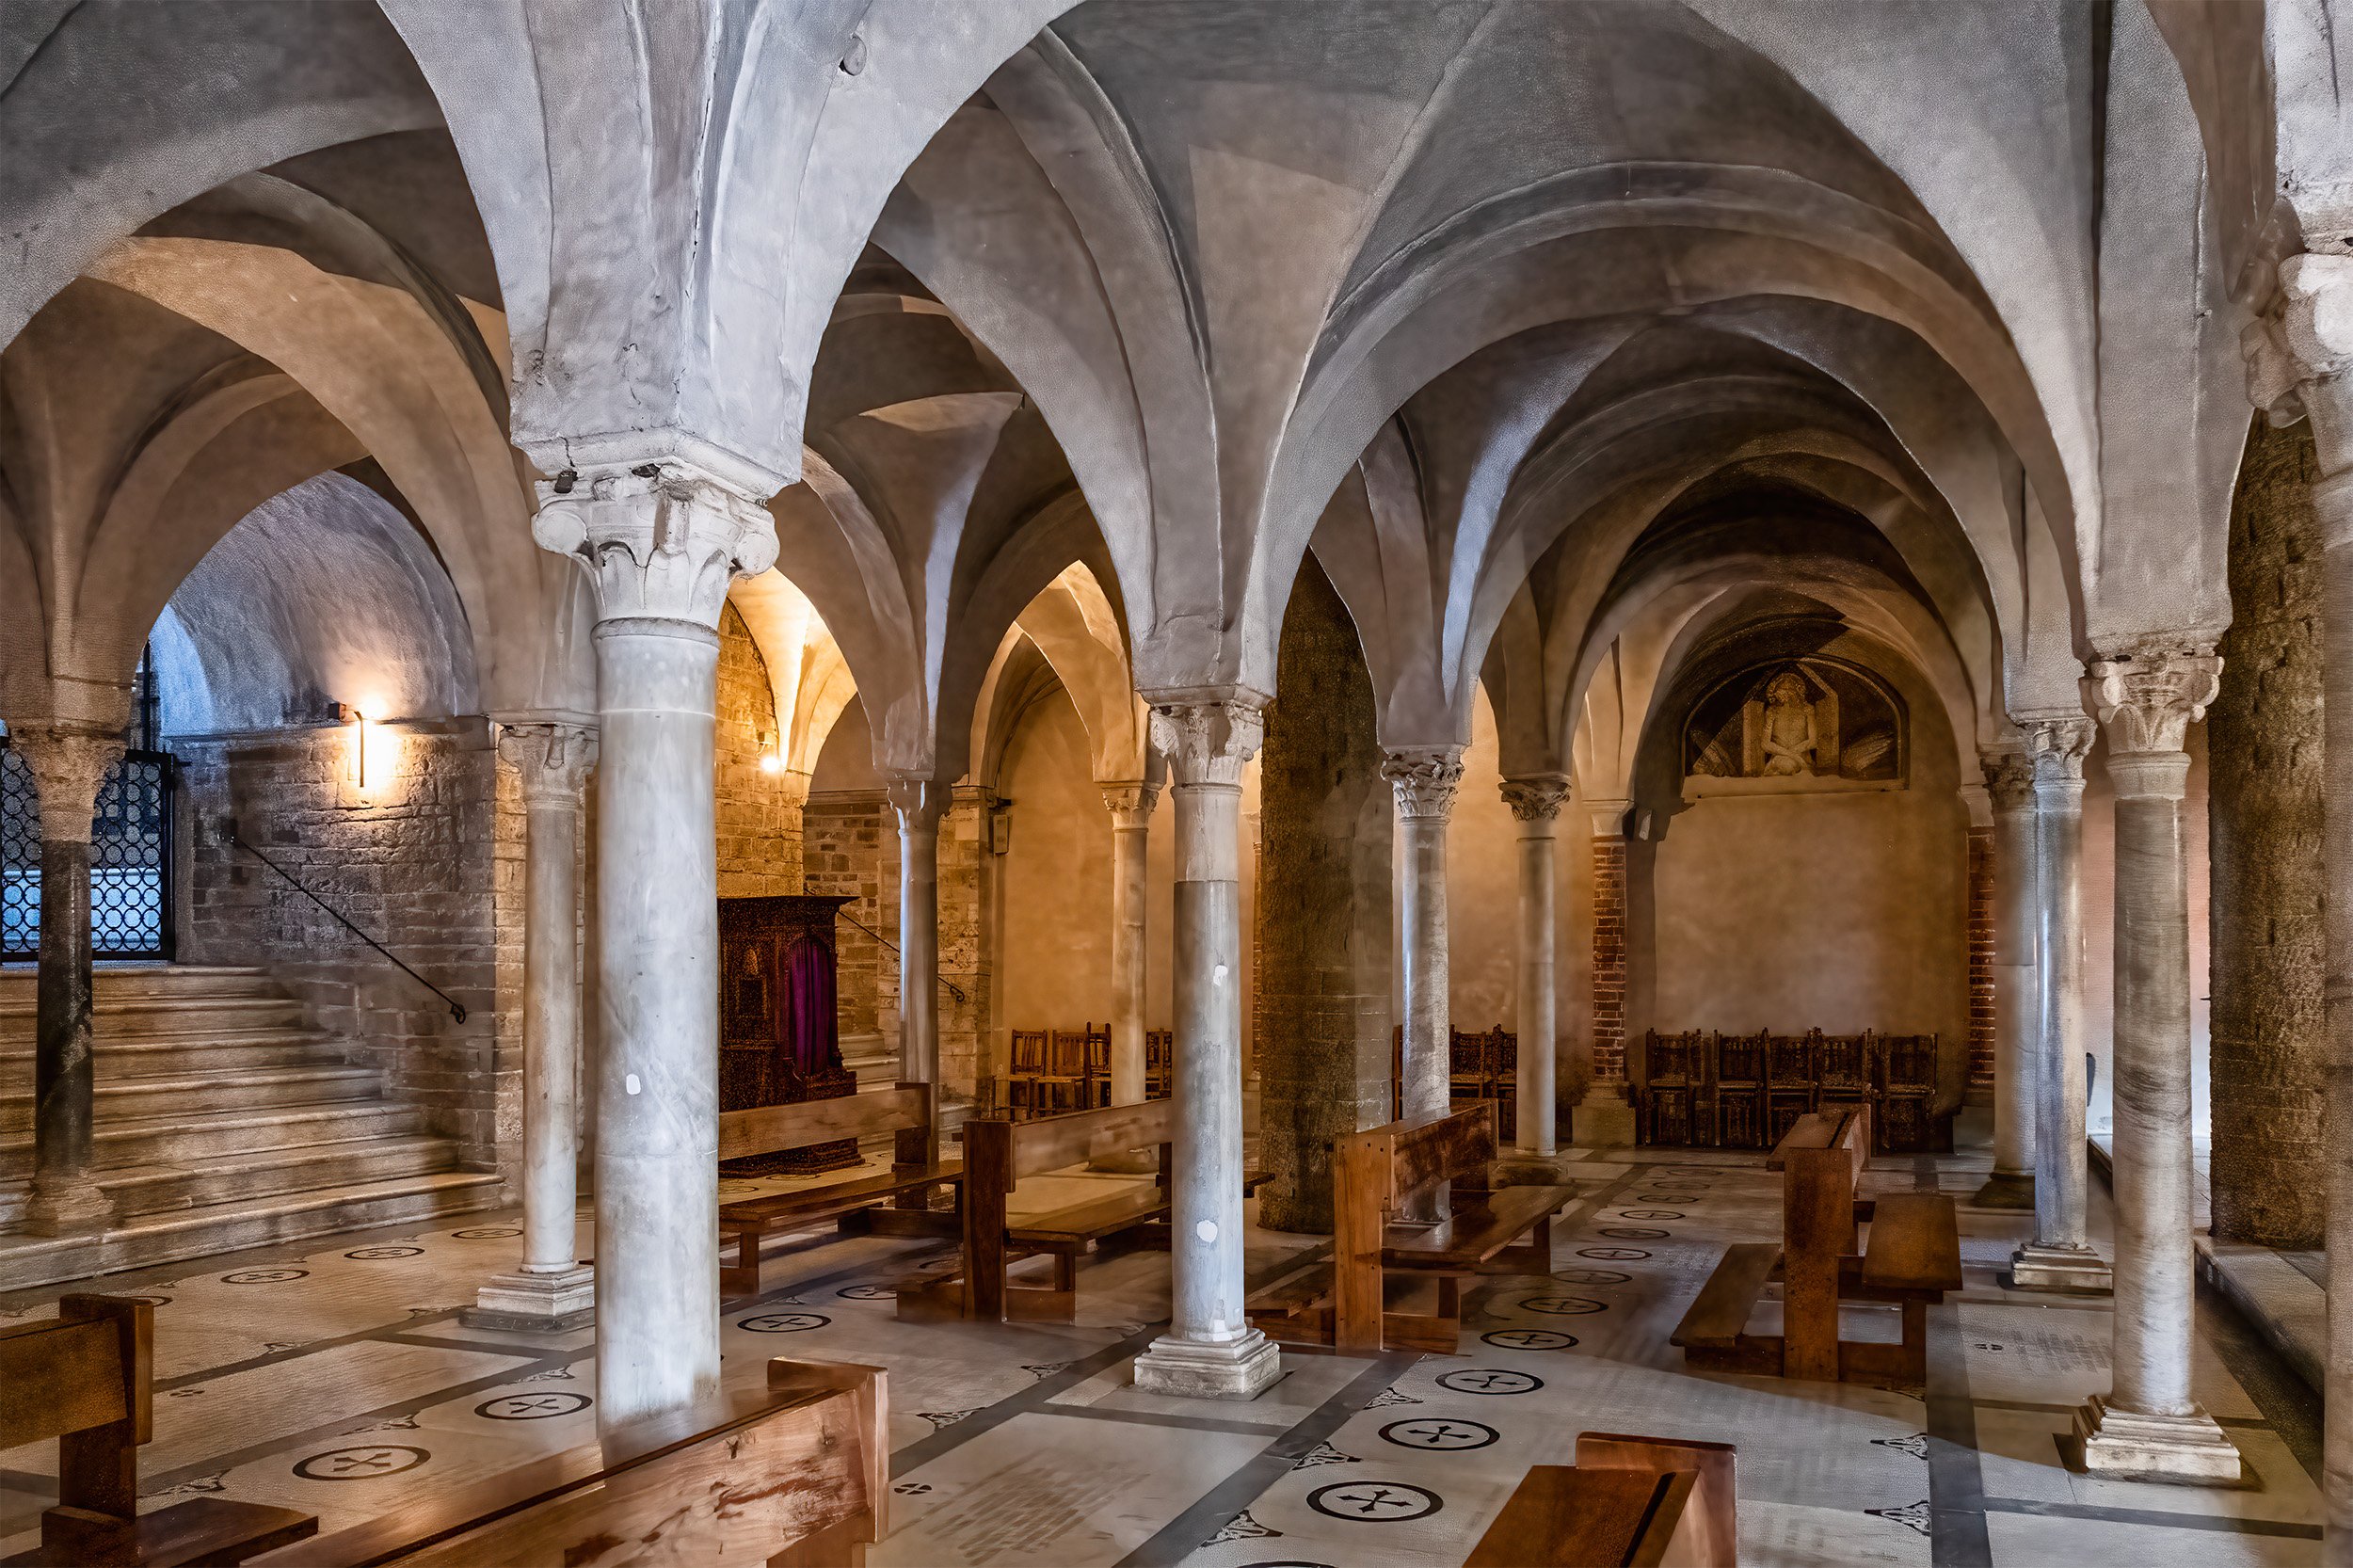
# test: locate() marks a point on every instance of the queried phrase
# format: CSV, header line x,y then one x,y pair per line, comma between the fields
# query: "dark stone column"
x,y
1323,909
67,765
2266,922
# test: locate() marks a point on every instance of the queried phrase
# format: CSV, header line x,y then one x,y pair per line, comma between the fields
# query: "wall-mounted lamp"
x,y
346,713
770,759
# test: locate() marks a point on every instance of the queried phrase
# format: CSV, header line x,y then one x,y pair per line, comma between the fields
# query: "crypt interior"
x,y
926,782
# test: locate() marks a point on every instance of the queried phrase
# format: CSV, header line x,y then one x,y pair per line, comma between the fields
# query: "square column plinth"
x,y
539,1303
2038,1267
2186,1451
1239,1369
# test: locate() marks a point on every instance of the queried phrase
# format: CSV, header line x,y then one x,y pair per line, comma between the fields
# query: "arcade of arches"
x,y
1324,561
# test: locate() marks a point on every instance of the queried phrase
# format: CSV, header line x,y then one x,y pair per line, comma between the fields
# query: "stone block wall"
x,y
427,860
757,810
850,846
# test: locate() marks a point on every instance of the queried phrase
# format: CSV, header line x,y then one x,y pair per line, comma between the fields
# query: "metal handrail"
x,y
456,1011
954,989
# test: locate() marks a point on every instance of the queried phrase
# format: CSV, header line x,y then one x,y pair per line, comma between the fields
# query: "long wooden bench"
x,y
796,1475
1912,1259
1627,1502
87,1379
1343,1304
894,1202
997,1154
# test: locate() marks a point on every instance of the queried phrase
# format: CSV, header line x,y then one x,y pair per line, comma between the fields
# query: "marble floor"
x,y
335,1376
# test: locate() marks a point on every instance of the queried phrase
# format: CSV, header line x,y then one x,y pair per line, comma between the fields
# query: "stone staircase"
x,y
222,1122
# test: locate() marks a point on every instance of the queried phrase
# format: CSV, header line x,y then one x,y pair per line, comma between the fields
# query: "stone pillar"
x,y
1535,804
1424,781
1130,806
2017,994
660,541
552,1289
1604,1118
2060,1256
2149,1427
67,766
916,802
1210,1349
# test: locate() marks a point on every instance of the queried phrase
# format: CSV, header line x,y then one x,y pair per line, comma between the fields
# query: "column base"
x,y
538,1303
1242,1369
1519,1168
2184,1450
2035,1267
2005,1191
75,1206
1604,1119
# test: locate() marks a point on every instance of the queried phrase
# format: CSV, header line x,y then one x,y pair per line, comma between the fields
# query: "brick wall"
x,y
1609,956
850,846
758,811
1981,874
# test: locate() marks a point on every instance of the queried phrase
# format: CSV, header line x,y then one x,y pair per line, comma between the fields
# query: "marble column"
x,y
660,541
1605,1117
551,1289
2017,996
1210,1349
1535,804
2060,1256
1424,781
2149,1427
67,766
917,803
1130,806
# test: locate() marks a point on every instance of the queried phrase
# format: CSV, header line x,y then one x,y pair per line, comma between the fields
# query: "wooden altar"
x,y
780,1036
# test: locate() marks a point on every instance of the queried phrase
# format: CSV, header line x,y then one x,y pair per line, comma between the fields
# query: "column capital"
x,y
554,761
1425,779
1208,742
67,765
918,801
1536,797
2008,778
659,540
1131,803
1608,817
793,787
2147,697
2058,744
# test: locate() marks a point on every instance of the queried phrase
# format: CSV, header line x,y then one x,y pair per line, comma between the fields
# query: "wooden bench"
x,y
1343,1304
87,1379
1913,1260
896,1201
796,1475
996,1155
1627,1502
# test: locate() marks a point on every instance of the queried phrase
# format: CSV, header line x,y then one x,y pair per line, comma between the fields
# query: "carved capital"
x,y
1425,779
2057,747
917,802
1537,797
2008,778
2146,700
1206,743
1130,805
554,761
67,766
657,540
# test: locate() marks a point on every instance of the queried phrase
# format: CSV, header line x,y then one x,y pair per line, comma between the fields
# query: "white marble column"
x,y
1130,806
2017,996
2060,1256
1424,781
660,541
916,802
1210,1349
67,766
551,1289
1605,1117
1535,804
2149,1427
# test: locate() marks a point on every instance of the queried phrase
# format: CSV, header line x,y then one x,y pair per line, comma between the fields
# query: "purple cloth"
x,y
809,1007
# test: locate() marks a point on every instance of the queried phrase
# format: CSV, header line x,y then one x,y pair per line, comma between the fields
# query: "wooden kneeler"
x,y
1627,1502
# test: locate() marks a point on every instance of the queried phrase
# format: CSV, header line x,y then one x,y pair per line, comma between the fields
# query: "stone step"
x,y
119,983
302,1168
200,1055
191,1099
162,1017
179,1139
29,1260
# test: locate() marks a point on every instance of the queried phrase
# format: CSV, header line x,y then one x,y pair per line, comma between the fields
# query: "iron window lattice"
x,y
131,858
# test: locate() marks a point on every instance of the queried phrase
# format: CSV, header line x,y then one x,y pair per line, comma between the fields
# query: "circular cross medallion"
x,y
1650,1214
1439,1432
1564,1306
1387,1501
263,1277
868,1293
1633,1233
487,1233
1529,1339
533,1407
1590,1276
365,1462
783,1322
1613,1254
371,1254
1490,1380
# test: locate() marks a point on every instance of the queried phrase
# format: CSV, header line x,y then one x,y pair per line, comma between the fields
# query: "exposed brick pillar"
x,y
1981,962
1610,956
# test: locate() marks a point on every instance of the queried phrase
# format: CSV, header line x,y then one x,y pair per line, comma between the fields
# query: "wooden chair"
x,y
1906,1123
1790,1084
1913,1260
1343,1304
1098,1066
1063,1086
896,1201
796,1475
1025,1065
1670,1078
87,1379
1160,1063
1847,1077
1739,1091
1626,1501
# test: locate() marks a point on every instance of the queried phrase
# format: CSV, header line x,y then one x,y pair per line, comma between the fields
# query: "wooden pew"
x,y
1912,1259
796,1475
1628,1502
86,1378
895,1202
1343,1304
996,1155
